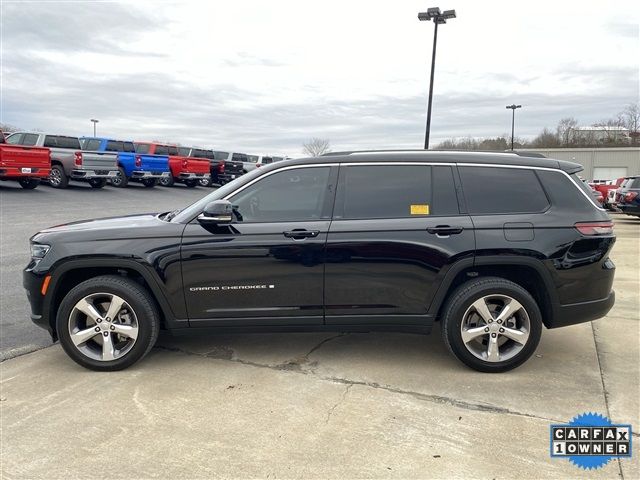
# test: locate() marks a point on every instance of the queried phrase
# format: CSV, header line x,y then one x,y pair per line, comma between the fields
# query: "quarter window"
x,y
502,190
294,195
15,138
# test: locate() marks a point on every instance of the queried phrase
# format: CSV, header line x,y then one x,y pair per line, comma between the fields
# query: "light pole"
x,y
94,125
513,120
438,18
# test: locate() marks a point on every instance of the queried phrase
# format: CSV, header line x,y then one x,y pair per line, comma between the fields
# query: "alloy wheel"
x,y
495,328
103,326
54,177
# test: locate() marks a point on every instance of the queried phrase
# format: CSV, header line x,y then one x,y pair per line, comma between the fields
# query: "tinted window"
x,y
200,153
15,138
635,183
289,196
385,191
114,146
221,155
162,150
91,144
266,160
61,142
142,147
239,157
502,190
128,147
173,150
184,151
30,139
562,191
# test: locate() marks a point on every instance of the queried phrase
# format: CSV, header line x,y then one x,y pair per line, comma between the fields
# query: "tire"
x,y
57,177
138,314
29,183
205,182
121,180
167,181
149,182
191,183
484,335
97,182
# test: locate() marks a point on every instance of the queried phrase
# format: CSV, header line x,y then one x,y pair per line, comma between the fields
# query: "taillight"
x,y
77,159
628,198
221,167
184,163
595,228
138,161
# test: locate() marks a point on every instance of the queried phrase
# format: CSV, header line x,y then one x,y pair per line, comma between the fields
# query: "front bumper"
x,y
32,283
24,172
88,174
142,175
194,176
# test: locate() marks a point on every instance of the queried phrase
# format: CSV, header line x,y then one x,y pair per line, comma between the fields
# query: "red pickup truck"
x,y
187,170
604,189
26,165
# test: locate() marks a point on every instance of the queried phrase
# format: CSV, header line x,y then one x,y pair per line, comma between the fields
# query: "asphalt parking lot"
x,y
300,405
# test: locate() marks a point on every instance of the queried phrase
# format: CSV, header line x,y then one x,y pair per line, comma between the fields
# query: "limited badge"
x,y
420,209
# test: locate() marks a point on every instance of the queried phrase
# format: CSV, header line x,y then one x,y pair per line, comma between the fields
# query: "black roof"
x,y
532,159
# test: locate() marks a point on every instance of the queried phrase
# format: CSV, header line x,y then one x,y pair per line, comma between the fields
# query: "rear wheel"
x,y
29,183
120,180
149,182
204,182
491,324
191,183
167,181
107,323
97,182
57,177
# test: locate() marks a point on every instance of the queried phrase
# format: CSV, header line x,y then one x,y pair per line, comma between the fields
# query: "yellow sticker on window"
x,y
419,209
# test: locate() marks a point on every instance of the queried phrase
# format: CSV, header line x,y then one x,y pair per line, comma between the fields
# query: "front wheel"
x,y
97,182
29,183
120,180
167,181
107,323
491,324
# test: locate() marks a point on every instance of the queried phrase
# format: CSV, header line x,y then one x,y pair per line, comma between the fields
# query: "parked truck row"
x,y
31,158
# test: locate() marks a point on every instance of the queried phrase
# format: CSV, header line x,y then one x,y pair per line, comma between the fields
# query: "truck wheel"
x,y
204,182
120,180
97,182
191,183
167,181
57,177
491,324
29,183
149,182
107,323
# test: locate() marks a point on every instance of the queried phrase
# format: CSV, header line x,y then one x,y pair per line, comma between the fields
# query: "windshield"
x,y
196,208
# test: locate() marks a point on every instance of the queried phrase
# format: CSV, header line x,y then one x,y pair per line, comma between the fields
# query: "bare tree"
x,y
316,147
567,131
630,118
7,128
546,139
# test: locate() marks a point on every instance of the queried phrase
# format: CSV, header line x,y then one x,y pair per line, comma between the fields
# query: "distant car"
x,y
230,166
630,199
604,187
24,164
251,163
183,169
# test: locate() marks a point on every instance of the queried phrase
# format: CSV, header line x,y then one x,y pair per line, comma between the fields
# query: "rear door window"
x,y
497,190
114,146
91,144
30,139
162,150
142,148
59,141
15,139
128,147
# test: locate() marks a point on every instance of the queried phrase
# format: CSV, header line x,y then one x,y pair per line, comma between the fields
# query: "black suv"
x,y
493,246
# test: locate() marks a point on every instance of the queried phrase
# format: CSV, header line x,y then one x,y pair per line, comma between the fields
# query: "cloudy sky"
x,y
263,77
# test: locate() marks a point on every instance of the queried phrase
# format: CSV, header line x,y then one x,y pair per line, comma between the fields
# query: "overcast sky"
x,y
263,77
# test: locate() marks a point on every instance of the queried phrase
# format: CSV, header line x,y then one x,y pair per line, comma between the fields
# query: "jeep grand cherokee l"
x,y
492,246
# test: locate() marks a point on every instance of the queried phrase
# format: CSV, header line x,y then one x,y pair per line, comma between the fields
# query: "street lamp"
x,y
438,18
94,125
513,120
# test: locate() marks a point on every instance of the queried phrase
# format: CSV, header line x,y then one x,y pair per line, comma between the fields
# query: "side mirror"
x,y
218,212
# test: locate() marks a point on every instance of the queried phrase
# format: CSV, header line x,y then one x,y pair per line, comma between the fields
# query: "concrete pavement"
x,y
325,406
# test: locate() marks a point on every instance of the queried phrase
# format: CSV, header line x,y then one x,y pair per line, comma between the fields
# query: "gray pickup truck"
x,y
68,161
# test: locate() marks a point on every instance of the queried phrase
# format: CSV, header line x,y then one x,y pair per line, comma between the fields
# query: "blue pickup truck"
x,y
132,166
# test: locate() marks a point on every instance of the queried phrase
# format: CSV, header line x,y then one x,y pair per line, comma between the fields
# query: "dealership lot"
x,y
303,405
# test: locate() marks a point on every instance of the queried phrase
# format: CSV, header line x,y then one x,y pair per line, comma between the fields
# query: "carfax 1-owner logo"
x,y
590,440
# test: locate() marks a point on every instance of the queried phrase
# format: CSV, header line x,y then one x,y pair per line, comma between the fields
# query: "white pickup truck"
x,y
68,161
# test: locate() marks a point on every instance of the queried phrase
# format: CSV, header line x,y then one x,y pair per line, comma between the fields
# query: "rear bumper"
x,y
227,177
87,174
141,174
581,312
193,176
17,173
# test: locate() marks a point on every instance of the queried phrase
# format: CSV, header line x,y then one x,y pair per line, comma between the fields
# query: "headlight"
x,y
38,250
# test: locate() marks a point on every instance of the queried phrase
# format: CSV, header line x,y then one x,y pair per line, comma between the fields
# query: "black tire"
x,y
97,182
121,180
205,182
141,303
167,181
29,183
57,177
461,300
191,183
149,182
